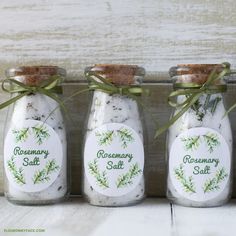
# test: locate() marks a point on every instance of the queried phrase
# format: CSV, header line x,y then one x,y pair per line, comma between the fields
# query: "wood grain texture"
x,y
154,34
151,217
218,221
155,170
76,217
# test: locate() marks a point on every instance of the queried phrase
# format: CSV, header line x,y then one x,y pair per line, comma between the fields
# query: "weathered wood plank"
x,y
75,217
154,34
217,221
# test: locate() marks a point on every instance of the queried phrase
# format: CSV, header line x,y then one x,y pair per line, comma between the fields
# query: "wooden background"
x,y
155,34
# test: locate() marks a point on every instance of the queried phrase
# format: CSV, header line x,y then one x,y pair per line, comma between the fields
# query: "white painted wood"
x,y
73,218
218,221
155,34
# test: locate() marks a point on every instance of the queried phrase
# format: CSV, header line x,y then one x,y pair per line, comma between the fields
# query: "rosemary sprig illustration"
x,y
187,182
41,176
125,136
51,166
105,138
41,133
17,173
211,140
191,143
101,177
21,135
213,184
126,179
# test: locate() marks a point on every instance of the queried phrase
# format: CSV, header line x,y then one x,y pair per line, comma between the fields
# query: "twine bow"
x,y
193,92
46,87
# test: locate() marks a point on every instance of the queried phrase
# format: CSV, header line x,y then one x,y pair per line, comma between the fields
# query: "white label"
x,y
32,156
199,164
114,159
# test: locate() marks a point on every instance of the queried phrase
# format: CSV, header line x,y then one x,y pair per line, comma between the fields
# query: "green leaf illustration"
x,y
51,166
213,184
41,176
211,140
187,182
191,143
21,135
41,133
101,177
126,179
105,138
17,173
125,136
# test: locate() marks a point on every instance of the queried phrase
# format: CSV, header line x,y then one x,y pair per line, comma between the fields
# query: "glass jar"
x,y
198,174
35,147
114,145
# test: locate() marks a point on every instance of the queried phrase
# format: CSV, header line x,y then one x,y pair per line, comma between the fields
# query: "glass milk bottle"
x,y
200,142
35,153
113,147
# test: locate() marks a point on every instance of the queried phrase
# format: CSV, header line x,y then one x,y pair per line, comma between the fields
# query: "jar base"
x,y
197,204
125,204
36,202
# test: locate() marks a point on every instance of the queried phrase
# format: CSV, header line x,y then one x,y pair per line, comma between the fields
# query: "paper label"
x,y
32,156
199,164
114,159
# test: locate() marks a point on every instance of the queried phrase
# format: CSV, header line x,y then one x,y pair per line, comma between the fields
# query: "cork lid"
x,y
194,73
32,75
117,74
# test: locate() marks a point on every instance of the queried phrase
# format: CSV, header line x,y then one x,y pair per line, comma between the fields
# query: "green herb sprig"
x,y
187,182
212,141
191,143
41,133
101,177
21,135
125,136
127,178
213,184
43,175
105,138
17,173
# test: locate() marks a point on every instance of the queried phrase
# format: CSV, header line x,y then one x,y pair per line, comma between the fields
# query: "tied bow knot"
x,y
46,87
101,84
193,92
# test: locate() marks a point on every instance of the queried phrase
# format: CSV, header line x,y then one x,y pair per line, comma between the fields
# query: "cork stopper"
x,y
194,73
118,74
33,75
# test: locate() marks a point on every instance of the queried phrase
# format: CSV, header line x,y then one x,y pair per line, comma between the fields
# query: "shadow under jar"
x,y
114,147
199,143
35,146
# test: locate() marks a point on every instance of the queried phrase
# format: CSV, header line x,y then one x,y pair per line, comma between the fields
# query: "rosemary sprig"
x,y
126,179
125,137
187,183
21,135
41,133
105,138
212,141
17,173
213,184
101,177
191,143
51,166
41,176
